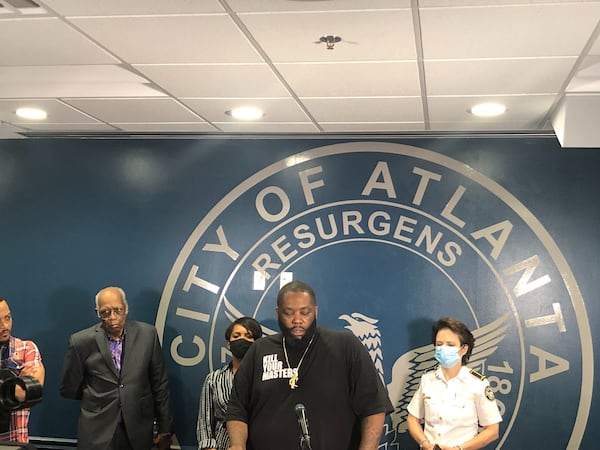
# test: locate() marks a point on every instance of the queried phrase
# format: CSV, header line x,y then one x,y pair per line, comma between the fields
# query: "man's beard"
x,y
292,342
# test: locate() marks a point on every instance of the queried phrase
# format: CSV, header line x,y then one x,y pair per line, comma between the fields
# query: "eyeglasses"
x,y
106,313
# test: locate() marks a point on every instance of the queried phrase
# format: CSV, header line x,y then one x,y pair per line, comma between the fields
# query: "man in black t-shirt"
x,y
328,372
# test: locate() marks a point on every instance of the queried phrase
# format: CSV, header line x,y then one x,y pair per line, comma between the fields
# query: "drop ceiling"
x,y
157,67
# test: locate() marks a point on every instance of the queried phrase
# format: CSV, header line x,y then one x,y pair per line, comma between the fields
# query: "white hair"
x,y
120,291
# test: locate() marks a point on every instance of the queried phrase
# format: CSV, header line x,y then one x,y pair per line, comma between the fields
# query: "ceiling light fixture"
x,y
245,113
32,113
488,109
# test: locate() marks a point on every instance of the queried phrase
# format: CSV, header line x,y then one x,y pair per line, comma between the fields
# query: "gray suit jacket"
x,y
138,393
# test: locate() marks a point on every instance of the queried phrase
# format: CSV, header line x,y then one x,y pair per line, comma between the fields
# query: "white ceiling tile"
x,y
47,41
58,112
527,30
171,39
484,125
583,84
401,109
462,3
218,80
275,110
59,90
330,5
166,127
117,110
72,81
352,79
366,35
267,127
69,74
372,127
587,78
493,77
131,7
70,127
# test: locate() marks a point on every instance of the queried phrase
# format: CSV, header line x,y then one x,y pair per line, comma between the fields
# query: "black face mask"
x,y
239,347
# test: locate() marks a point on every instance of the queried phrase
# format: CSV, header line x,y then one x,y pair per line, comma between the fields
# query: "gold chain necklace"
x,y
294,378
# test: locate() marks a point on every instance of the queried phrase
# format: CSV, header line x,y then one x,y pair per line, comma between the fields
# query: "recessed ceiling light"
x,y
32,113
488,109
245,113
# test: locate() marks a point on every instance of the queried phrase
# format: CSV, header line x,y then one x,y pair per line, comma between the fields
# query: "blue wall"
x,y
516,218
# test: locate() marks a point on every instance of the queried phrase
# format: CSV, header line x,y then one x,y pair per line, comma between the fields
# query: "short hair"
x,y
296,286
249,324
456,326
120,291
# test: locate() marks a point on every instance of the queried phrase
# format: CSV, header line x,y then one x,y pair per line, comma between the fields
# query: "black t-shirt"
x,y
337,383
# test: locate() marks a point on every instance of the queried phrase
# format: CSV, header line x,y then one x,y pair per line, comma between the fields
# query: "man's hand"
x,y
19,393
34,369
29,369
162,441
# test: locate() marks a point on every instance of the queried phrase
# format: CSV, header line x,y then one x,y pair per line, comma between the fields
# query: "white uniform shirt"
x,y
454,409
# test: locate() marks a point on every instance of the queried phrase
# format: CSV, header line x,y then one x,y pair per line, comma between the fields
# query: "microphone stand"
x,y
305,443
303,423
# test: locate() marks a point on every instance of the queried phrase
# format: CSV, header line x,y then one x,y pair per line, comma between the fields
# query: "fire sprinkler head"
x,y
330,40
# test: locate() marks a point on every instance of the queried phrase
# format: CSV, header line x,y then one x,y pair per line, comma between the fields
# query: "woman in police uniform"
x,y
453,400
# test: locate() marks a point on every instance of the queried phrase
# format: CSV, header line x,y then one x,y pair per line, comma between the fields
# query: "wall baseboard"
x,y
52,443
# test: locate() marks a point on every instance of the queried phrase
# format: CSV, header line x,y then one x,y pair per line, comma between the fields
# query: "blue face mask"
x,y
447,356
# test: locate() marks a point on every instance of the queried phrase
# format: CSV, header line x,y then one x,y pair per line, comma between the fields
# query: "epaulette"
x,y
477,374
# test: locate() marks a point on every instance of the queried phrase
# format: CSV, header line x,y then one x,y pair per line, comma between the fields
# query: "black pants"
x,y
120,440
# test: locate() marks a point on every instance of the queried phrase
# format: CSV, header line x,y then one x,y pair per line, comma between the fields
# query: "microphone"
x,y
300,411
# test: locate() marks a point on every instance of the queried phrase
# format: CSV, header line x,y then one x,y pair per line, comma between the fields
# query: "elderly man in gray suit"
x,y
116,369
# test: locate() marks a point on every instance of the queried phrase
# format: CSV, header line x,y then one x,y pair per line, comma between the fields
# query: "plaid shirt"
x,y
20,352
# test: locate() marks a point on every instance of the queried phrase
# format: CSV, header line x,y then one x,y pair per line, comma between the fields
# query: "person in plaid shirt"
x,y
24,359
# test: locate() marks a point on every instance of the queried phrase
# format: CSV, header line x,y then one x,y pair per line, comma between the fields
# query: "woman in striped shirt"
x,y
211,430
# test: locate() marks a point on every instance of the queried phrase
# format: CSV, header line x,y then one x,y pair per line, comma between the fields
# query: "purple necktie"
x,y
116,351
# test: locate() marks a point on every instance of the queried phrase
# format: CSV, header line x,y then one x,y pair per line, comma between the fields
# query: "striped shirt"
x,y
19,353
211,430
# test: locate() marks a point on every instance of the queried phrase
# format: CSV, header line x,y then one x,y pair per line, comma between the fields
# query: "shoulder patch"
x,y
489,394
477,374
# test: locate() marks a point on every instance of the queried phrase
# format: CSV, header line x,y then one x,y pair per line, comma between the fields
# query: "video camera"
x,y
8,384
8,397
